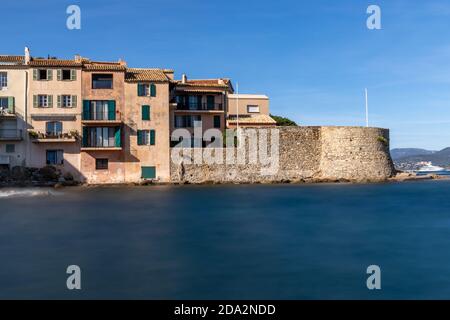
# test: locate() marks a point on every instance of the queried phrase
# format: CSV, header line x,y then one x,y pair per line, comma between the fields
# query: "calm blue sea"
x,y
227,242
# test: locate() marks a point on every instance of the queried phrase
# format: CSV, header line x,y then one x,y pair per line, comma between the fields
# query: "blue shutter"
x,y
86,109
153,90
152,137
111,110
117,138
141,89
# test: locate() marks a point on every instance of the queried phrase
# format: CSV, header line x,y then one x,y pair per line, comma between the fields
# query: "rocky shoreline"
x,y
51,177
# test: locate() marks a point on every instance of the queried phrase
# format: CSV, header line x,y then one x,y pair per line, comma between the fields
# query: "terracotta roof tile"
x,y
138,75
12,59
36,62
215,83
252,119
104,66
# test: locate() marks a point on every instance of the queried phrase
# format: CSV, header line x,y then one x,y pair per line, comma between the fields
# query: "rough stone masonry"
x,y
306,154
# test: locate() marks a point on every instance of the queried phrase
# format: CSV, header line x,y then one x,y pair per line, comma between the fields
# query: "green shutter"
x,y
35,101
148,172
35,74
59,74
11,105
111,110
49,74
58,103
85,136
140,140
73,75
86,109
145,112
199,102
152,137
50,101
152,90
117,138
74,101
141,89
217,121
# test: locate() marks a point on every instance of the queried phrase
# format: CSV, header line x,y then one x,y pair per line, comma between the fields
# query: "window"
x,y
67,101
53,128
252,109
101,164
99,110
3,103
217,121
194,102
43,101
143,89
10,148
145,112
101,137
55,157
146,137
102,81
3,80
66,75
186,121
148,172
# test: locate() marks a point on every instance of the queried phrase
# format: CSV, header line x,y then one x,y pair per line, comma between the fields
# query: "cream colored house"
x,y
248,110
54,114
13,100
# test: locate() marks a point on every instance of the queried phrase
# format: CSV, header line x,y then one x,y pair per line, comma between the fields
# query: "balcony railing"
x,y
71,136
7,111
200,106
11,134
102,116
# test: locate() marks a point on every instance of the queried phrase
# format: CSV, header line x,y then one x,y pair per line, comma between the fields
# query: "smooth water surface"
x,y
227,242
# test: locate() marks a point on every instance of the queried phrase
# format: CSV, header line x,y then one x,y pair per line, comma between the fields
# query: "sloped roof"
x,y
37,62
12,59
143,75
253,119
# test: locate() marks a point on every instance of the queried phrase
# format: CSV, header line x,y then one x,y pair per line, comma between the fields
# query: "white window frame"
x,y
43,101
250,107
66,98
3,80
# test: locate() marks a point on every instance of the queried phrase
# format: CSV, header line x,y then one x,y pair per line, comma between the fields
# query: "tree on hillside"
x,y
283,122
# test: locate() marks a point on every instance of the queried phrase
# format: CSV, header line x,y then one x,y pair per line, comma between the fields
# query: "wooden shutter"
x,y
152,137
141,89
85,136
86,109
35,101
50,101
140,137
111,110
145,112
73,74
49,74
59,74
35,74
74,101
11,105
117,138
58,103
152,90
148,172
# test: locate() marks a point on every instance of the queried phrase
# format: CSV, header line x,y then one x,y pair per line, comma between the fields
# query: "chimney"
x,y
122,62
77,58
183,78
27,55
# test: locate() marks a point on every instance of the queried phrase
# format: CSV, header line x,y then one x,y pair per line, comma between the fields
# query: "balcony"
x,y
95,119
52,137
102,139
207,107
7,112
11,135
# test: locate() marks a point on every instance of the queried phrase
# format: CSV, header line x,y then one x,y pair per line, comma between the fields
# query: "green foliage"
x,y
383,140
283,122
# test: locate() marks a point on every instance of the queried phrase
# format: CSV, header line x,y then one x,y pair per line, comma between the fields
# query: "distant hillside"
x,y
409,152
412,161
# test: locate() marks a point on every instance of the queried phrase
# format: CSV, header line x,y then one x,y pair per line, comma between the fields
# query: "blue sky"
x,y
313,58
